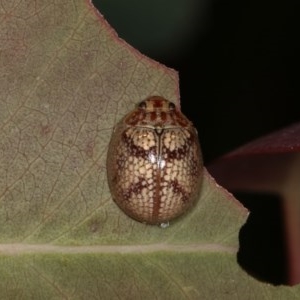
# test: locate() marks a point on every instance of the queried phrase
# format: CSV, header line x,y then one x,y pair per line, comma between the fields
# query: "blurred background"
x,y
238,81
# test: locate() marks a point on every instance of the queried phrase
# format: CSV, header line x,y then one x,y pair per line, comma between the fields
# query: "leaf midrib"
x,y
18,248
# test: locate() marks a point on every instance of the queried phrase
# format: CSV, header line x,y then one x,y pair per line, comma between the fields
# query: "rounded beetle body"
x,y
154,162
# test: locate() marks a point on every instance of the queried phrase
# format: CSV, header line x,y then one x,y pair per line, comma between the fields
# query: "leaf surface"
x,y
66,79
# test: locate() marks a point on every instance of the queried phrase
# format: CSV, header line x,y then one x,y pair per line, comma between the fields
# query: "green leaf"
x,y
66,79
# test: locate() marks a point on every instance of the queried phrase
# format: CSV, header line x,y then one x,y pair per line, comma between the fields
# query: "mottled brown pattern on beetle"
x,y
177,188
133,189
135,149
154,162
